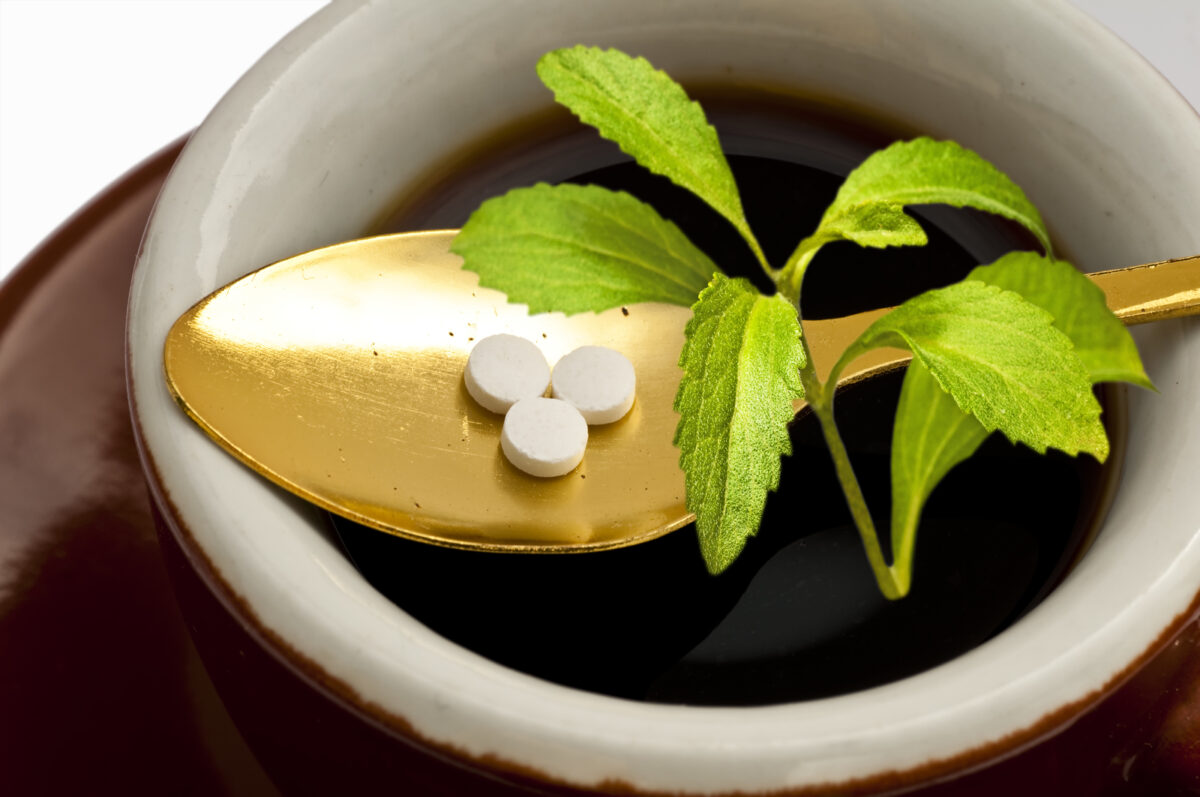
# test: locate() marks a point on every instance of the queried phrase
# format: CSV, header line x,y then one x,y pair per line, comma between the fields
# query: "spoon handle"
x,y
1153,292
1137,295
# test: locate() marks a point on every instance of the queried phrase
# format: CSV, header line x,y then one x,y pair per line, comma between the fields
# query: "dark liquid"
x,y
799,615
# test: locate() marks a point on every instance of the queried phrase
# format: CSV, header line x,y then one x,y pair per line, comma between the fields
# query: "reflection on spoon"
x,y
337,374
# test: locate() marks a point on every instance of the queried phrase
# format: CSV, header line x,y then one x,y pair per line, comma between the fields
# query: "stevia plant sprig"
x,y
1013,348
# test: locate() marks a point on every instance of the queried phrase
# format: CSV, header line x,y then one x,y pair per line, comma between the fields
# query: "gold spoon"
x,y
337,374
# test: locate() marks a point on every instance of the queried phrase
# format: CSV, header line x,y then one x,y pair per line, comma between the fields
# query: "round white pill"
x,y
503,369
544,437
597,381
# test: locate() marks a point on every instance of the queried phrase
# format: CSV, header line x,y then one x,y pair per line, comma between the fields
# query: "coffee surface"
x,y
799,615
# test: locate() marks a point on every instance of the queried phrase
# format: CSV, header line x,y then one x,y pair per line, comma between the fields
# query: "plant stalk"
x,y
888,584
820,398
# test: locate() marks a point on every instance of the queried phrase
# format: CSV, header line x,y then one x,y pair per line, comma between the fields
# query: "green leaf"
x,y
880,225
650,117
1002,360
741,364
576,248
1079,309
868,208
931,435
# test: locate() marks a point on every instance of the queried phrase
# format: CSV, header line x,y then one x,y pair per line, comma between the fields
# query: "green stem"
x,y
789,278
758,252
819,396
852,353
886,576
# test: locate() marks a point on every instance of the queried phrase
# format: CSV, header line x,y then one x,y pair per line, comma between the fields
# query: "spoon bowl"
x,y
337,374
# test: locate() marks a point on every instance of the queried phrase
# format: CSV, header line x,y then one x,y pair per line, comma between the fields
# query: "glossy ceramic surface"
x,y
101,689
314,143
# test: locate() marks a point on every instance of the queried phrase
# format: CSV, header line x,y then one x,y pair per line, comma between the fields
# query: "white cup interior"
x,y
354,106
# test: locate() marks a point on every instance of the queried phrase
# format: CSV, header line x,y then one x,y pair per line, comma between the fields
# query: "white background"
x,y
88,88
